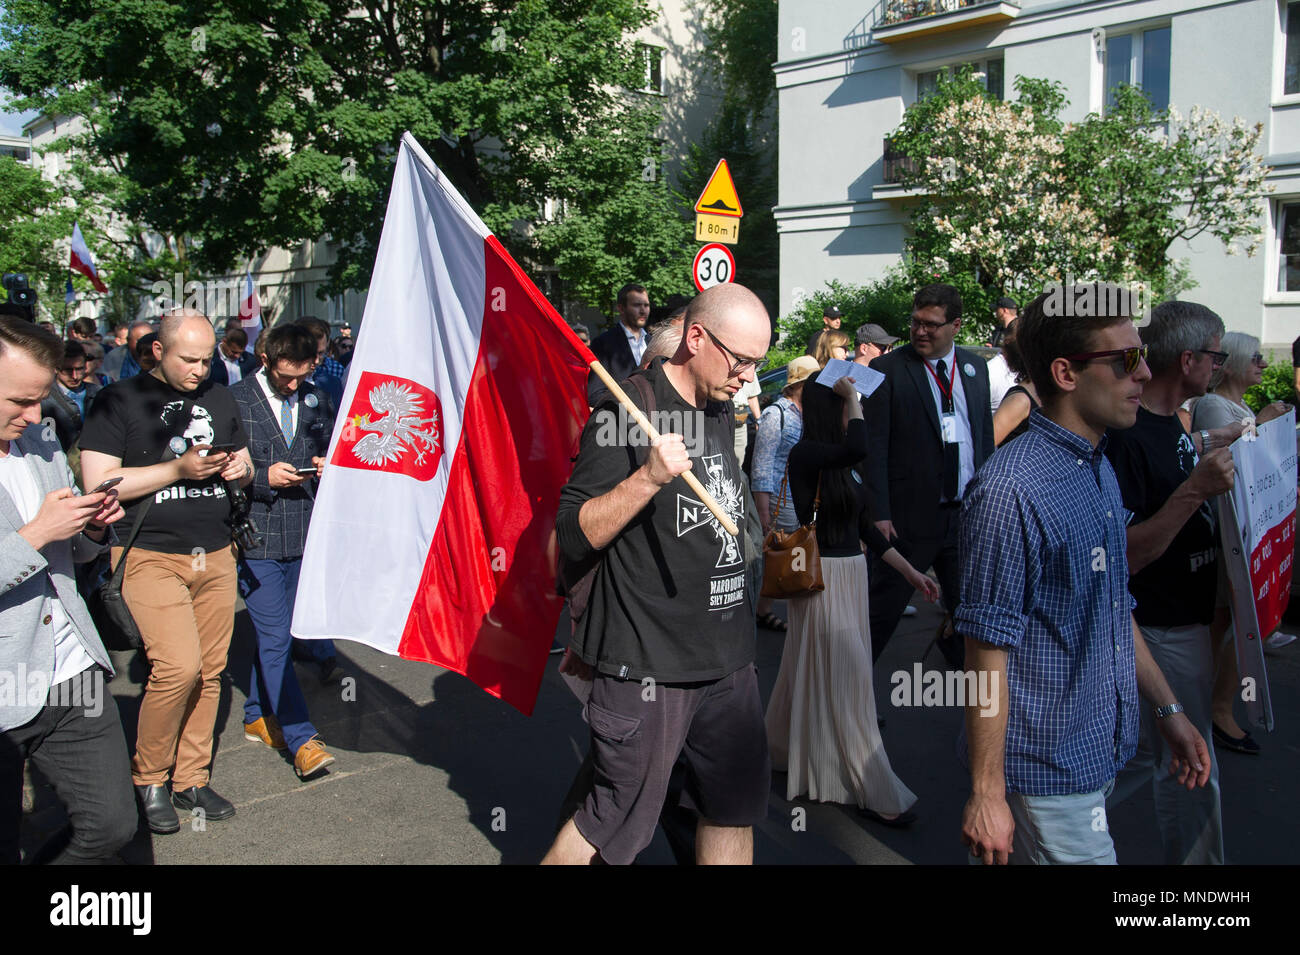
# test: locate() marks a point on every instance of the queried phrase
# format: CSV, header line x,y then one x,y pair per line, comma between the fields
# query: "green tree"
x,y
1153,178
245,125
34,225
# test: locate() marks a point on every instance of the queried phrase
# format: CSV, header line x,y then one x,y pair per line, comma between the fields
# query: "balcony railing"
x,y
895,164
904,19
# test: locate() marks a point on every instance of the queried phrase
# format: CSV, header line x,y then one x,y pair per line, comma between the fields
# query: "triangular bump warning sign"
x,y
719,196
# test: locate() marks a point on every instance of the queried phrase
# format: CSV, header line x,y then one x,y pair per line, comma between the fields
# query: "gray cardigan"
x,y
28,585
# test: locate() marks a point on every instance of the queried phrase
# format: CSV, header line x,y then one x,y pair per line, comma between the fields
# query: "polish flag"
x,y
250,310
433,533
82,262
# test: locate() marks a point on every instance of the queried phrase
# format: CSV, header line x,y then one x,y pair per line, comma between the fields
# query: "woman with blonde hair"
x,y
833,343
1224,405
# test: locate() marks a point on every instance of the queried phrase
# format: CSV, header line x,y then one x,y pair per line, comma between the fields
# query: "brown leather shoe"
x,y
311,758
265,731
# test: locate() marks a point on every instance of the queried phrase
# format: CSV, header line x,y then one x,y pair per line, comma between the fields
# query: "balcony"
x,y
895,163
898,20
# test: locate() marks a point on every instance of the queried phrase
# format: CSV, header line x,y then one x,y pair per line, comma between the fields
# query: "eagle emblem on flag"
x,y
394,425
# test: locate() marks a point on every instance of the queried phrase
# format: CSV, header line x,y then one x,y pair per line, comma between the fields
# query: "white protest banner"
x,y
1257,527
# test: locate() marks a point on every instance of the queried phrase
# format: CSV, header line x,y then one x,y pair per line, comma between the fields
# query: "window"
x,y
1288,236
652,63
1291,80
927,82
1140,59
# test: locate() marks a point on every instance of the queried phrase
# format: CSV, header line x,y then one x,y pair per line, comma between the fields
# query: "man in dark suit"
x,y
230,363
69,400
289,424
931,429
620,349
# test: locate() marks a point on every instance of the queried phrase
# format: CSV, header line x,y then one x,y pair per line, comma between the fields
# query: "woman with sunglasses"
x,y
821,719
1224,405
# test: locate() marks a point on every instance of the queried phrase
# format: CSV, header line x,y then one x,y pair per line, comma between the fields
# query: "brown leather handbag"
x,y
792,564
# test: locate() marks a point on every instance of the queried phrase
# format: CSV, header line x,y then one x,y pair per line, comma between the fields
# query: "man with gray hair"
x,y
1167,478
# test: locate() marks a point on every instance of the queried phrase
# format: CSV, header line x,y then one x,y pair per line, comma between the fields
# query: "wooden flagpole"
x,y
644,424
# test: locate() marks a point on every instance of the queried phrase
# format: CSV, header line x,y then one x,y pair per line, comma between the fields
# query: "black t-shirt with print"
x,y
669,600
134,420
1151,459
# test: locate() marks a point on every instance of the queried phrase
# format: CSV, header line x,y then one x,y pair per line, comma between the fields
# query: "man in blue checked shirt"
x,y
1045,607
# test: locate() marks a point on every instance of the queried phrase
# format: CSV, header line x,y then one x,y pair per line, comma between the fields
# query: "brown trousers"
x,y
185,607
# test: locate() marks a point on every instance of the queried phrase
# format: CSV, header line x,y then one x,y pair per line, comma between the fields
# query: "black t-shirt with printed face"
x,y
1151,460
134,420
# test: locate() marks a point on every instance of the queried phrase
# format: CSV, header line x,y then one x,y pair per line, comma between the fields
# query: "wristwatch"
x,y
1170,710
1205,442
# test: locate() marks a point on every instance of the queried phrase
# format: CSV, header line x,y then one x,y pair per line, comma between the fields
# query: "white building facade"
x,y
848,70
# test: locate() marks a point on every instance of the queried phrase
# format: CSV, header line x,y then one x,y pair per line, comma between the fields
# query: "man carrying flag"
x,y
432,535
669,628
81,261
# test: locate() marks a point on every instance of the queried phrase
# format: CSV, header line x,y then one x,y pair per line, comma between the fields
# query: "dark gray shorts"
x,y
636,736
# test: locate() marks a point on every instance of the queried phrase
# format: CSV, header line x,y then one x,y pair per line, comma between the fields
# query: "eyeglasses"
x,y
1218,357
1258,359
928,327
739,365
1132,356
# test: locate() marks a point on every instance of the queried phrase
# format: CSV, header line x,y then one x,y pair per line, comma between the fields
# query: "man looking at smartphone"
x,y
289,424
175,439
58,712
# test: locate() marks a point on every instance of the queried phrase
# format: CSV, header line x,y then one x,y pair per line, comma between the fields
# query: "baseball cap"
x,y
830,311
1005,302
872,334
799,369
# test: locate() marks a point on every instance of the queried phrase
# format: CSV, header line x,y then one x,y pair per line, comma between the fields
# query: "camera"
x,y
242,529
20,297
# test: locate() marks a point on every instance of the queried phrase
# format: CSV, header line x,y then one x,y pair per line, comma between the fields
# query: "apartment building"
x,y
848,70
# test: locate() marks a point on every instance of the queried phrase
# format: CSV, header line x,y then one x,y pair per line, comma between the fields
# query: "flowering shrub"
x,y
1017,199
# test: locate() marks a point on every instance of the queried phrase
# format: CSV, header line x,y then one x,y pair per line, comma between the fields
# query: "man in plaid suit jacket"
x,y
289,423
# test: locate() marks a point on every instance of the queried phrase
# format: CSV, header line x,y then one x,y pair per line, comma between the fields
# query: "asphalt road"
x,y
433,770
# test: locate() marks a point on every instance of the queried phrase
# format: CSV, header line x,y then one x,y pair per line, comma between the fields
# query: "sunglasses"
x,y
1218,357
1132,356
739,365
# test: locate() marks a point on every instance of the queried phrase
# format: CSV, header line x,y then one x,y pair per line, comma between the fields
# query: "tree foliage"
x,y
244,125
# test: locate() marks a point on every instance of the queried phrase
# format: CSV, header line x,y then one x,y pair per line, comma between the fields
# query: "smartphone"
x,y
105,485
222,449
306,472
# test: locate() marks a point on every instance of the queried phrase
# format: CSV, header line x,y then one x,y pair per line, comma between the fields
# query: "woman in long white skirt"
x,y
821,719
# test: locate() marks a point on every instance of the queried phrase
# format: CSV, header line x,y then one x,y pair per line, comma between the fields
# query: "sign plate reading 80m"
x,y
717,229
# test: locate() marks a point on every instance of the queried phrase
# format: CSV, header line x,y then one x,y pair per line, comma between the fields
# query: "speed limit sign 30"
x,y
714,265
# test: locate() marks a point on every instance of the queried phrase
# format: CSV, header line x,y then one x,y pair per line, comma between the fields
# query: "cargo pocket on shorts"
x,y
616,751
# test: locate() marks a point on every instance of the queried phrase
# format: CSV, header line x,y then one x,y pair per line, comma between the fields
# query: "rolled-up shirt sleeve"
x,y
998,550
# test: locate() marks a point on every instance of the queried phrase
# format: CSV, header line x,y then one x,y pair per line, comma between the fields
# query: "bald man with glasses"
x,y
931,428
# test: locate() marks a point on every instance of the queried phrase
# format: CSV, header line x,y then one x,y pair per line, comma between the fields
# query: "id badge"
x,y
949,428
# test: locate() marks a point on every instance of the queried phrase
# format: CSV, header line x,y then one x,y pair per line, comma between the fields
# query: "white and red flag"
x,y
250,310
433,533
82,262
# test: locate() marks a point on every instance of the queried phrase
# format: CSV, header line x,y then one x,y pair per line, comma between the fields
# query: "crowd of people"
x,y
992,486
946,481
178,440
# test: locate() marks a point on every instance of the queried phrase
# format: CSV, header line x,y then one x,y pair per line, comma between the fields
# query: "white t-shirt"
x,y
1000,380
16,477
